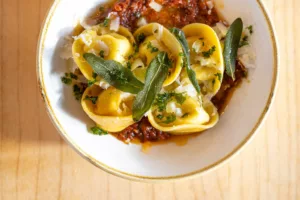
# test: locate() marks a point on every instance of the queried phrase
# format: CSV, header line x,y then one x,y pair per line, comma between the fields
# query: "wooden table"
x,y
35,163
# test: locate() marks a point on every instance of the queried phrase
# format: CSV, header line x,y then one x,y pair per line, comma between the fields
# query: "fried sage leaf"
x,y
231,46
186,54
155,76
114,73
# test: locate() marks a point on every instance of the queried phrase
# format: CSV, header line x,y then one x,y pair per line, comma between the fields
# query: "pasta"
x,y
155,80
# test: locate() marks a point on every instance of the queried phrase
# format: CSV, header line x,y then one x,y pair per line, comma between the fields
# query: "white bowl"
x,y
247,109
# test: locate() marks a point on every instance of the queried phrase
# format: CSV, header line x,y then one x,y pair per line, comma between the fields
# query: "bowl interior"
x,y
245,111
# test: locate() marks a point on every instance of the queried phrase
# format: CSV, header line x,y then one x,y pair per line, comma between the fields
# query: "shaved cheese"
x,y
142,22
155,6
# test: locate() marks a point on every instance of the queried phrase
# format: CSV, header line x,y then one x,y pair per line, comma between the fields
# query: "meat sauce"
x,y
174,13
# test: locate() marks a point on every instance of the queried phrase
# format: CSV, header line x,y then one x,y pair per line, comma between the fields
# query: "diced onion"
x,y
210,5
155,6
197,46
142,22
115,24
204,61
246,56
104,47
104,85
158,31
171,107
114,21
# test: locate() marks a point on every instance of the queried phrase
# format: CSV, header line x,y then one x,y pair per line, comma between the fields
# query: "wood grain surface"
x,y
35,163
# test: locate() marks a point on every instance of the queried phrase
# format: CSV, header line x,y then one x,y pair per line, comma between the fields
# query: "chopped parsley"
x,y
65,80
77,91
73,76
250,28
169,119
128,64
106,22
98,131
163,99
91,82
244,41
93,99
181,54
101,54
219,75
213,82
153,49
210,52
136,47
94,75
160,116
140,37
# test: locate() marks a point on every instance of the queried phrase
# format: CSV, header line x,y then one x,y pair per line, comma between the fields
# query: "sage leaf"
x,y
156,74
231,46
114,73
179,34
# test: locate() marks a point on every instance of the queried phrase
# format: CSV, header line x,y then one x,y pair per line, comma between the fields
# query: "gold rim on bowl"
x,y
134,177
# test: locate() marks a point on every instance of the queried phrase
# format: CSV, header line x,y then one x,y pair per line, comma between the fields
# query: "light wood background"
x,y
35,163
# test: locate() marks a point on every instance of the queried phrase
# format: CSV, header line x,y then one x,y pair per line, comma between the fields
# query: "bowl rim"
x,y
134,177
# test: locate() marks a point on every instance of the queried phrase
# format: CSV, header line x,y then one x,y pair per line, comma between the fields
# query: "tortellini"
x,y
158,38
196,113
112,109
206,57
185,111
102,42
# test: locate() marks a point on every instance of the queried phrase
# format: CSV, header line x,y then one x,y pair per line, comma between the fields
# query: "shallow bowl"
x,y
245,113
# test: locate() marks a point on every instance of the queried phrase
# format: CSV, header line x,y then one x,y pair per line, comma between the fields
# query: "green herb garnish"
x,y
219,75
73,76
102,54
231,45
186,60
93,99
114,73
163,99
160,116
128,65
152,48
140,38
106,22
98,131
244,41
67,81
250,28
77,92
156,74
209,52
94,75
91,82
169,119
